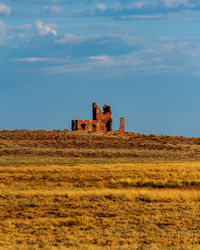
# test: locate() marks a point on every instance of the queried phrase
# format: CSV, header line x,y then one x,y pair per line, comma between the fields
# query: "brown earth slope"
x,y
56,143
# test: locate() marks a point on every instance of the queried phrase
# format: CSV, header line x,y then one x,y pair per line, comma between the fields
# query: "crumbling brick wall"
x,y
102,121
121,129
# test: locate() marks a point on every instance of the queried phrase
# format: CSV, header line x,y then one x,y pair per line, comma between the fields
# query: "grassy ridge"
x,y
63,143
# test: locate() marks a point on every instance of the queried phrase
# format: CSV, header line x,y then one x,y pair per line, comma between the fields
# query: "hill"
x,y
70,144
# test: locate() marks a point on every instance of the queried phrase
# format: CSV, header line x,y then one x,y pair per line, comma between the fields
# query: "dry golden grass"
x,y
61,189
95,206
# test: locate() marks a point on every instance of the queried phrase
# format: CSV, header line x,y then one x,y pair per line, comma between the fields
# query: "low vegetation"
x,y
122,147
127,205
50,201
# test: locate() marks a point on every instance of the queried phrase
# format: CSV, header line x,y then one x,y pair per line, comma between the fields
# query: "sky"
x,y
140,57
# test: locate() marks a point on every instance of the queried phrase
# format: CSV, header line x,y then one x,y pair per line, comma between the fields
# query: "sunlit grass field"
x,y
90,204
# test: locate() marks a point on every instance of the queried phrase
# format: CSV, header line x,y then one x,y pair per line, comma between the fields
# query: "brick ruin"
x,y
102,121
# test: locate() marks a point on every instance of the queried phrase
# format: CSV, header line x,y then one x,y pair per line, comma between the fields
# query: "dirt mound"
x,y
70,143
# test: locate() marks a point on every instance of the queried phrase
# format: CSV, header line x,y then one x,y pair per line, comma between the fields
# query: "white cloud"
x,y
169,46
45,29
70,38
142,4
75,39
153,58
104,59
138,5
141,17
69,68
157,59
2,32
30,59
175,3
4,9
93,63
150,56
53,9
101,7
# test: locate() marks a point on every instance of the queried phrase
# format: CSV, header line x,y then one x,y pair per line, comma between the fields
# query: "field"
x,y
60,189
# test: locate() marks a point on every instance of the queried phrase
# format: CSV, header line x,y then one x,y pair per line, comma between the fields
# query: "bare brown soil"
x,y
97,145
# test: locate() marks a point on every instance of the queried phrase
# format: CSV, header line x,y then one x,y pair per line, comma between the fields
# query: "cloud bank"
x,y
45,29
114,9
2,33
30,59
4,9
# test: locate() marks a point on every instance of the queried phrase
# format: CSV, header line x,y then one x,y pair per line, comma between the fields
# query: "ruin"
x,y
102,121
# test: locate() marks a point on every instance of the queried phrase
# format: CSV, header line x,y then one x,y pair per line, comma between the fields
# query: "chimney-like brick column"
x,y
121,129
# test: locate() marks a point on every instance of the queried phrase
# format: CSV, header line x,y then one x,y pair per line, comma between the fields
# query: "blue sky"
x,y
140,57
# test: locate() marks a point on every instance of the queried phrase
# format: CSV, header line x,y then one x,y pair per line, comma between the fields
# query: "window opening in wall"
x,y
94,128
108,126
106,110
83,126
94,114
74,125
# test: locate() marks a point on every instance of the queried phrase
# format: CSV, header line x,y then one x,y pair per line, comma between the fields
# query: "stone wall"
x,y
121,129
102,121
